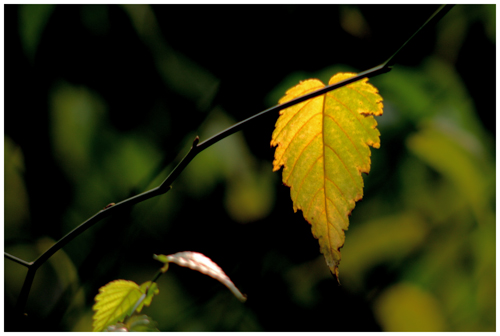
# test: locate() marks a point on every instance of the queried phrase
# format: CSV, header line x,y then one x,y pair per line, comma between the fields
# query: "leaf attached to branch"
x,y
323,145
198,262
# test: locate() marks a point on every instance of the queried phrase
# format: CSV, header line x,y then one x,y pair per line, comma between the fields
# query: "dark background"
x,y
100,101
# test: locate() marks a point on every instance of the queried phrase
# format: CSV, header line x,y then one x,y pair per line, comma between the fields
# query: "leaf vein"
x,y
285,149
336,186
331,223
295,115
311,201
351,87
340,159
357,116
298,157
348,137
307,173
324,170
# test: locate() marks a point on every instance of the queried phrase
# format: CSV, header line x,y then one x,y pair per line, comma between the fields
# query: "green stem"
x,y
157,275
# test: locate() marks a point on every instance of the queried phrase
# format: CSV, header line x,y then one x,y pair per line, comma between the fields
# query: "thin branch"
x,y
237,127
438,14
195,149
18,260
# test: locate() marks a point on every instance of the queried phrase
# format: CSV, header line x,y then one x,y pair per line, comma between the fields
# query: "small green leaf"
x,y
119,299
164,259
151,289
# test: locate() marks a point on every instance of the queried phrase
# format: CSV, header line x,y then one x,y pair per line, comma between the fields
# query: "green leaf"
x,y
198,262
323,145
151,289
119,299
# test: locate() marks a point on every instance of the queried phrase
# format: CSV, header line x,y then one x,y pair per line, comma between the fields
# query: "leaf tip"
x,y
336,274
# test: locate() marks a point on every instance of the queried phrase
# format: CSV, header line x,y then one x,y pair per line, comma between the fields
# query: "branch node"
x,y
195,141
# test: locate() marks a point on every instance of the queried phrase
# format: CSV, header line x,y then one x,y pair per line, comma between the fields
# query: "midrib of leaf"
x,y
323,157
341,160
323,109
327,178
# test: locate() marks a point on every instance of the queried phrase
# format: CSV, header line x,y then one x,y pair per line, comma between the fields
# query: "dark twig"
x,y
17,260
438,14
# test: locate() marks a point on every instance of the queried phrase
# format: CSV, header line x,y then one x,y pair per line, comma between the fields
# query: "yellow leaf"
x,y
323,145
119,299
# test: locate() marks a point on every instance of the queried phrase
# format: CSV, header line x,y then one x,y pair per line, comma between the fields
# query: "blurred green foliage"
x,y
102,101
